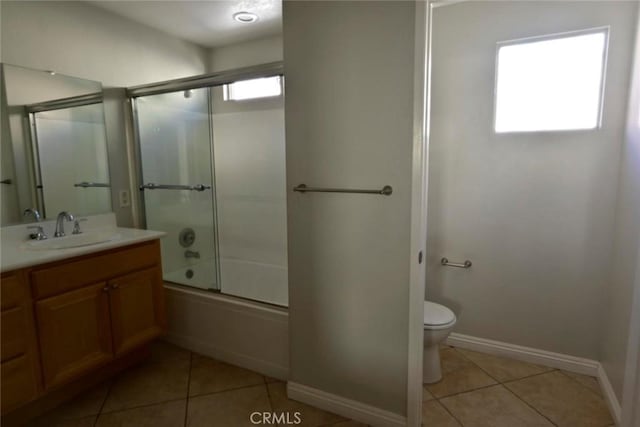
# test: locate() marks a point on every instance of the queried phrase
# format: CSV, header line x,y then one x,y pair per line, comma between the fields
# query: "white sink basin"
x,y
72,241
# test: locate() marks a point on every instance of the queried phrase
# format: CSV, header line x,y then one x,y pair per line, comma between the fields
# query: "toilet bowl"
x,y
438,323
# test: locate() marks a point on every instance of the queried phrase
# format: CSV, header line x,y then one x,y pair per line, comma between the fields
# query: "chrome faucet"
x,y
60,223
34,212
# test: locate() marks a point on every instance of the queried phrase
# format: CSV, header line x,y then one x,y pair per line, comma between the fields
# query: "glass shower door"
x,y
178,191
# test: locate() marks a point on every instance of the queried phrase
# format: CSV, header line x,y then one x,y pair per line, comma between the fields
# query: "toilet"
x,y
438,323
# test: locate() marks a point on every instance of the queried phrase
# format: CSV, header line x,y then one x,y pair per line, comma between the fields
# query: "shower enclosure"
x,y
212,175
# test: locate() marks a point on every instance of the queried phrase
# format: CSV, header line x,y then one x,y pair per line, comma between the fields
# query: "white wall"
x,y
261,51
349,112
81,40
9,211
620,287
534,212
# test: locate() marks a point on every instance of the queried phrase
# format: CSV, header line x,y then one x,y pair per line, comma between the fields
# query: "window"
x,y
252,89
551,83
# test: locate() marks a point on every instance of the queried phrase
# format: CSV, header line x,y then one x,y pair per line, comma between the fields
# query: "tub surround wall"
x,y
349,123
535,212
620,289
251,198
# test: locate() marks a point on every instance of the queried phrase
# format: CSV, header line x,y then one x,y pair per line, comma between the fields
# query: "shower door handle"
x,y
196,187
85,184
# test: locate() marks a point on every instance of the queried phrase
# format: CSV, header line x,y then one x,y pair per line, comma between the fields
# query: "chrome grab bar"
x,y
6,181
152,186
446,263
85,184
302,188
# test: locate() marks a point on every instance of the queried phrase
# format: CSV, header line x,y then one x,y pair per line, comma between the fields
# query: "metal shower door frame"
x,y
208,81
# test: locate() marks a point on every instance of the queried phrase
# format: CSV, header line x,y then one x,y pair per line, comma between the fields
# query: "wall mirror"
x,y
54,146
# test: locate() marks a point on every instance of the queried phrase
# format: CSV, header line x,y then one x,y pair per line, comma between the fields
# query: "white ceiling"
x,y
206,23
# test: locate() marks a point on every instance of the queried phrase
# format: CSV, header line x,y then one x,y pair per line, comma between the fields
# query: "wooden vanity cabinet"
x,y
85,313
20,367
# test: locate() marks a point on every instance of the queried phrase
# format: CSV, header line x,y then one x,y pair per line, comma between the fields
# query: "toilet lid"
x,y
436,314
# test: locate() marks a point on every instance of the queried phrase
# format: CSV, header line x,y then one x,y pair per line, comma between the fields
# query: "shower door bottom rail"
x,y
196,187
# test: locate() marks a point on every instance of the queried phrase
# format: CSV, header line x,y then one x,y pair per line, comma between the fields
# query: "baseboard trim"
x,y
545,358
234,358
526,354
609,395
346,407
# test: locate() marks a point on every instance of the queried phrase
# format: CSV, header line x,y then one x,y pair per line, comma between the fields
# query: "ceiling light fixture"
x,y
245,17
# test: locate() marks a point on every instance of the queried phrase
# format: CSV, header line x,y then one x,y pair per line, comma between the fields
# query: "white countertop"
x,y
14,254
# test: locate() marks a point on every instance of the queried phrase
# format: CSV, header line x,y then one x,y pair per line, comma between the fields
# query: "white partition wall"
x,y
349,124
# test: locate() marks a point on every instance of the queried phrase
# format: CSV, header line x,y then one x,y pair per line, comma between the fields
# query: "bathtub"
x,y
249,334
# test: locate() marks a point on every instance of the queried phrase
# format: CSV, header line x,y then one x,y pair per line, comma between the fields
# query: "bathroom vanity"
x,y
70,313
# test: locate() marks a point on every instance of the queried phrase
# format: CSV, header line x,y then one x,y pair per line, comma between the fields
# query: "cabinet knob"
x,y
115,286
105,289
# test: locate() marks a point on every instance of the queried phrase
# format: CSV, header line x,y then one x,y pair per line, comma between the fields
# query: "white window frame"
x,y
525,40
226,94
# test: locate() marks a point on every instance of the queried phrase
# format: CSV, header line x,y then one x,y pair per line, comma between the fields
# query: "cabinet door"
x,y
75,333
20,376
137,309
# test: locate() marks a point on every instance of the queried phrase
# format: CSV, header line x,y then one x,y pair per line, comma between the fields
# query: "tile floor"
x,y
179,388
479,390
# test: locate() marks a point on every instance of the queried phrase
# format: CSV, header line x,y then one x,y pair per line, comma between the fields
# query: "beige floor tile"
x,y
426,394
210,376
435,415
78,422
587,381
562,400
164,352
501,368
168,414
269,380
86,404
311,416
348,423
493,407
147,384
459,375
229,408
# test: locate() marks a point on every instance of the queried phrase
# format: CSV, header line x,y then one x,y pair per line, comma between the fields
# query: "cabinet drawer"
x,y
13,291
60,278
18,383
14,327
